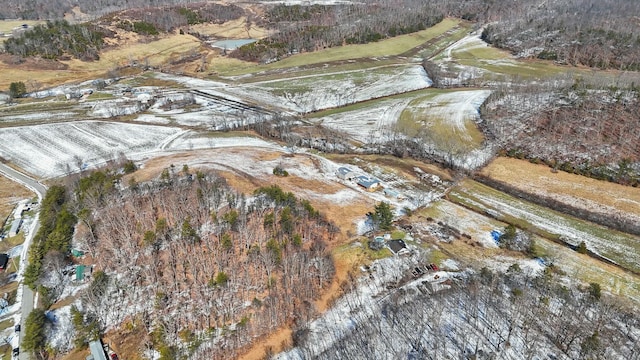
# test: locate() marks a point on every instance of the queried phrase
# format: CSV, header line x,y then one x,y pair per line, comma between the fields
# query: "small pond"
x,y
231,44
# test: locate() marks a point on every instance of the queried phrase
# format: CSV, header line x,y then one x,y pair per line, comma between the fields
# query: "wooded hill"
x,y
577,128
483,315
602,34
202,269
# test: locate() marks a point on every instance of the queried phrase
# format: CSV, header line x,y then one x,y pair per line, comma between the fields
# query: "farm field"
x,y
56,149
309,93
385,48
473,54
450,115
618,247
578,191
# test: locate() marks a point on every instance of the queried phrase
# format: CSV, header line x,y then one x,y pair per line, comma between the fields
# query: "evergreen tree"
x,y
582,248
17,89
383,217
34,336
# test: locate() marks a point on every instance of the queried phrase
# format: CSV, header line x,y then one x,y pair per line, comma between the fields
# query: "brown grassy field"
x,y
234,29
577,190
10,193
126,48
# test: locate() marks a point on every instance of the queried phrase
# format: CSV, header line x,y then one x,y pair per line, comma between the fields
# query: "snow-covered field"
x,y
309,93
368,125
456,110
617,247
54,149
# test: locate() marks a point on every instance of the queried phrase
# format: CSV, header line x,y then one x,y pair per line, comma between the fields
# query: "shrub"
x,y
17,89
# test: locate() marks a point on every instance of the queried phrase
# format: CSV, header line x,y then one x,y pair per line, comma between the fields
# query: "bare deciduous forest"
x,y
191,261
483,315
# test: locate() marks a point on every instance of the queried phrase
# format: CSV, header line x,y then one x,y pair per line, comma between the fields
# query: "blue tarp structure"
x,y
495,234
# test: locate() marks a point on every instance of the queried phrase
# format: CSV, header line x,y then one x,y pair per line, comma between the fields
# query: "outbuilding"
x,y
345,173
4,260
367,182
97,351
15,227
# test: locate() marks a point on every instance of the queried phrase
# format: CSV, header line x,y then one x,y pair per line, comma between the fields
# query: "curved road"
x,y
27,293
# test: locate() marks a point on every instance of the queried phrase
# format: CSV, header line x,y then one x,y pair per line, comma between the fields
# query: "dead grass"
x,y
584,191
6,26
404,166
6,324
10,194
234,29
12,286
277,341
155,53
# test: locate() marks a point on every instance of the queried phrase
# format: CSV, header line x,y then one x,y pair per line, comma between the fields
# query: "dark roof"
x,y
4,259
396,245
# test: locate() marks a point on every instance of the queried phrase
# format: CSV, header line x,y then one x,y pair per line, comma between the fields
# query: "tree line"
x,y
577,126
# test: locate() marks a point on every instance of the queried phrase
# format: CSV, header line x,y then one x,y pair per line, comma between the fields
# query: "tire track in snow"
x,y
166,142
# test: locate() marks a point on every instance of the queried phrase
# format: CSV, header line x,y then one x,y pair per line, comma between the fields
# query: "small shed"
x,y
4,260
80,272
15,227
345,173
390,193
377,243
97,351
367,182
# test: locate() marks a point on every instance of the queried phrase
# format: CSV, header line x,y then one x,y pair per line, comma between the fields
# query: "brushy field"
x,y
616,246
578,191
476,225
587,269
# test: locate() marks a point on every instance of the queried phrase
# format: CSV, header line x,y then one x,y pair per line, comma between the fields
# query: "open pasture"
x,y
329,89
598,196
615,246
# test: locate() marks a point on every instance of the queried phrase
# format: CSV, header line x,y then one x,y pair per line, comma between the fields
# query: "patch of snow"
x,y
60,332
